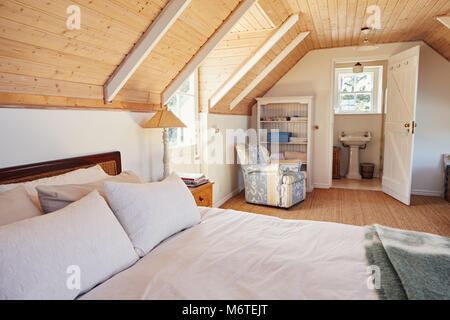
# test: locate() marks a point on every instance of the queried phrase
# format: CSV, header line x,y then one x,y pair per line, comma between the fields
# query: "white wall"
x,y
228,177
432,137
28,136
355,123
313,74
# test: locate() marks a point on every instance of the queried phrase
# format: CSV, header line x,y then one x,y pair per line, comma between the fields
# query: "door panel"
x,y
400,118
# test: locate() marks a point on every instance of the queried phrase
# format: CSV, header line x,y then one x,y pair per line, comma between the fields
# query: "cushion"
x,y
152,212
59,256
16,205
79,176
53,198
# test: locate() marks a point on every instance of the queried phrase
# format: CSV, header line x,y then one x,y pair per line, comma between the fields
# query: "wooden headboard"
x,y
110,162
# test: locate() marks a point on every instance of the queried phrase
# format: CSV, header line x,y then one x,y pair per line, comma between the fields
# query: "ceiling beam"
x,y
445,20
250,63
143,47
294,43
204,51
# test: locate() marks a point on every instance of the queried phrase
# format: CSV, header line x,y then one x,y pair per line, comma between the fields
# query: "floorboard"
x,y
360,207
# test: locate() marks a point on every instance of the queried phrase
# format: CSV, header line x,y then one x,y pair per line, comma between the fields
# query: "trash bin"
x,y
367,170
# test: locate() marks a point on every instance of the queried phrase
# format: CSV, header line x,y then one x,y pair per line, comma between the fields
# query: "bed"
x,y
238,255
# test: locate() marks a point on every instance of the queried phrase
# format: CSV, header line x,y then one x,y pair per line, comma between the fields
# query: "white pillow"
x,y
16,205
152,212
39,256
54,198
78,176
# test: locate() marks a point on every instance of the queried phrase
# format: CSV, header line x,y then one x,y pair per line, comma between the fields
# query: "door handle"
x,y
411,125
407,125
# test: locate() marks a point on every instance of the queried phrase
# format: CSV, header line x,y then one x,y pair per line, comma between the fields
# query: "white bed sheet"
x,y
239,255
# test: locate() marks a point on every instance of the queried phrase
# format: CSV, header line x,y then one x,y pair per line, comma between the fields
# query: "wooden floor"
x,y
364,184
360,207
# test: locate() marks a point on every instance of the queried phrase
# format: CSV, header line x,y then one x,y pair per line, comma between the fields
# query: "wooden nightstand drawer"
x,y
203,195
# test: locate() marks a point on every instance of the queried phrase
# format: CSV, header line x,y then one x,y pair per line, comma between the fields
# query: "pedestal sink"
x,y
354,141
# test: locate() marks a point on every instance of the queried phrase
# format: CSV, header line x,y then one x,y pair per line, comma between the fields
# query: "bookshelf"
x,y
275,113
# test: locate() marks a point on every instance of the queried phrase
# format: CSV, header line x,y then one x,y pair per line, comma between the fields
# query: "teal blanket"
x,y
411,265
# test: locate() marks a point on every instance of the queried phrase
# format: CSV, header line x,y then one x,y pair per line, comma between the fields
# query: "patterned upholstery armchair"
x,y
279,184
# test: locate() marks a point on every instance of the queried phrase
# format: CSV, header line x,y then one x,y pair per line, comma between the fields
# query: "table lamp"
x,y
165,119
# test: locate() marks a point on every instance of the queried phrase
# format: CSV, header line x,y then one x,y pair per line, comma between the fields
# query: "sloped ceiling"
x,y
39,55
338,23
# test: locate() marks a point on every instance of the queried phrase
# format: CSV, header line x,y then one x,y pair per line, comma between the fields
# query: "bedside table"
x,y
203,194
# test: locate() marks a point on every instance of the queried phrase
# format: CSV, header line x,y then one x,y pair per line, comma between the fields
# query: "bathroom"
x,y
359,91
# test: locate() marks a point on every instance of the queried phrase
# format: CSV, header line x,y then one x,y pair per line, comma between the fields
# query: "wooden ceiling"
x,y
338,23
41,58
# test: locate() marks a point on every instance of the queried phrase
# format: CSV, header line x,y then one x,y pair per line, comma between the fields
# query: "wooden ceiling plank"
x,y
269,68
15,100
90,18
147,9
334,25
53,24
307,17
314,11
204,51
351,16
401,22
116,12
23,67
143,47
231,82
441,7
23,51
342,21
13,31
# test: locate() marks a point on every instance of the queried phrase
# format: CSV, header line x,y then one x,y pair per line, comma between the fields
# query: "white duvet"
x,y
238,255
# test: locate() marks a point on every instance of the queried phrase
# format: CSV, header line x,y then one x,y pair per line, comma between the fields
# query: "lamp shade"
x,y
164,119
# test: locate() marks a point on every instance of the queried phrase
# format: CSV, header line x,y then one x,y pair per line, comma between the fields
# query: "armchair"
x,y
279,184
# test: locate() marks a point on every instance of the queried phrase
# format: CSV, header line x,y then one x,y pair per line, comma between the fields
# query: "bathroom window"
x,y
184,105
358,93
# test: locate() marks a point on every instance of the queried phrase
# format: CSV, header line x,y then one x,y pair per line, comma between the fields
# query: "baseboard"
x,y
429,193
322,185
220,202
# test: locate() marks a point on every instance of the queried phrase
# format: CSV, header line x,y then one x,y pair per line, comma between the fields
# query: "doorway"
x,y
358,132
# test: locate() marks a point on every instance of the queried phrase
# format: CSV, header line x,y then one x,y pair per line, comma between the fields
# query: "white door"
x,y
400,124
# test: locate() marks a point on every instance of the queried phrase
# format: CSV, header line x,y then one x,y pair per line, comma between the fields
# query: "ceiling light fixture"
x,y
358,68
366,46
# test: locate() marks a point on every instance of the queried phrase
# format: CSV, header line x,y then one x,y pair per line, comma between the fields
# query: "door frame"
x,y
335,61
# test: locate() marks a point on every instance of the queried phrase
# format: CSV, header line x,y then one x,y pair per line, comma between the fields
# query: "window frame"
x,y
376,100
177,95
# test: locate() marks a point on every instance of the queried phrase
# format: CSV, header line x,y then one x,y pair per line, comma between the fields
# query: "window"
x,y
184,105
358,93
